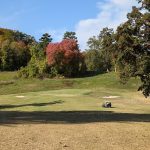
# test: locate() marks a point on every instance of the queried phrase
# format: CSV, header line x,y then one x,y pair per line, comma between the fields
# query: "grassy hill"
x,y
9,84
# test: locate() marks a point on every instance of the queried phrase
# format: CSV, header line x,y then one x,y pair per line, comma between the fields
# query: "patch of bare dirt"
x,y
111,96
20,96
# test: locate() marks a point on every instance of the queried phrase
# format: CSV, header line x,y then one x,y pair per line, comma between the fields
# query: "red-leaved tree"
x,y
64,57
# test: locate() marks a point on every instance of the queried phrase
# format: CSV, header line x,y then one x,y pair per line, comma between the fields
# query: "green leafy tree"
x,y
45,40
94,43
92,55
100,50
70,35
21,54
14,49
27,39
93,60
7,56
133,38
37,65
106,40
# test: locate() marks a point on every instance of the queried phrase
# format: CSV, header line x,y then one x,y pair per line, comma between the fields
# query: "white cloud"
x,y
111,14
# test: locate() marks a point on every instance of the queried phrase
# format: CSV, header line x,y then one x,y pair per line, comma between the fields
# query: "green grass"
x,y
6,76
9,84
70,94
72,100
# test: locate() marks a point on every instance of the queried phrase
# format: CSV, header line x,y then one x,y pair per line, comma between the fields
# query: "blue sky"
x,y
85,17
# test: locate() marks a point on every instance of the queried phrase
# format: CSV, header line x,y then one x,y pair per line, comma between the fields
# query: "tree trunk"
x,y
115,67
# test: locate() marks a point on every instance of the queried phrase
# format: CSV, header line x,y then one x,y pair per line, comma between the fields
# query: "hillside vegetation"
x,y
10,84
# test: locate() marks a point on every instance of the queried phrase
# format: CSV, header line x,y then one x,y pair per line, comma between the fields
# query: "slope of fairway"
x,y
10,84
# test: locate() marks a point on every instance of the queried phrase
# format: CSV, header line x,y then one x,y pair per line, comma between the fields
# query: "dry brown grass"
x,y
90,136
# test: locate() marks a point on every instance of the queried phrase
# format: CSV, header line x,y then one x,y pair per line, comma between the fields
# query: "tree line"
x,y
126,50
14,49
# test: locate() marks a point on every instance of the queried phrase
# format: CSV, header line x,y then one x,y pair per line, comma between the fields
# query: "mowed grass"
x,y
74,100
70,94
62,114
55,100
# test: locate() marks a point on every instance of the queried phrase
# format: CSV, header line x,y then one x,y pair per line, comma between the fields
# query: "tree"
x,y
133,38
37,66
94,43
7,56
21,54
106,40
64,57
100,50
45,40
27,39
70,35
145,4
14,49
93,61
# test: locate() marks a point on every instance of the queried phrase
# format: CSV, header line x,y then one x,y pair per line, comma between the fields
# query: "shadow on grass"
x,y
66,117
33,104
